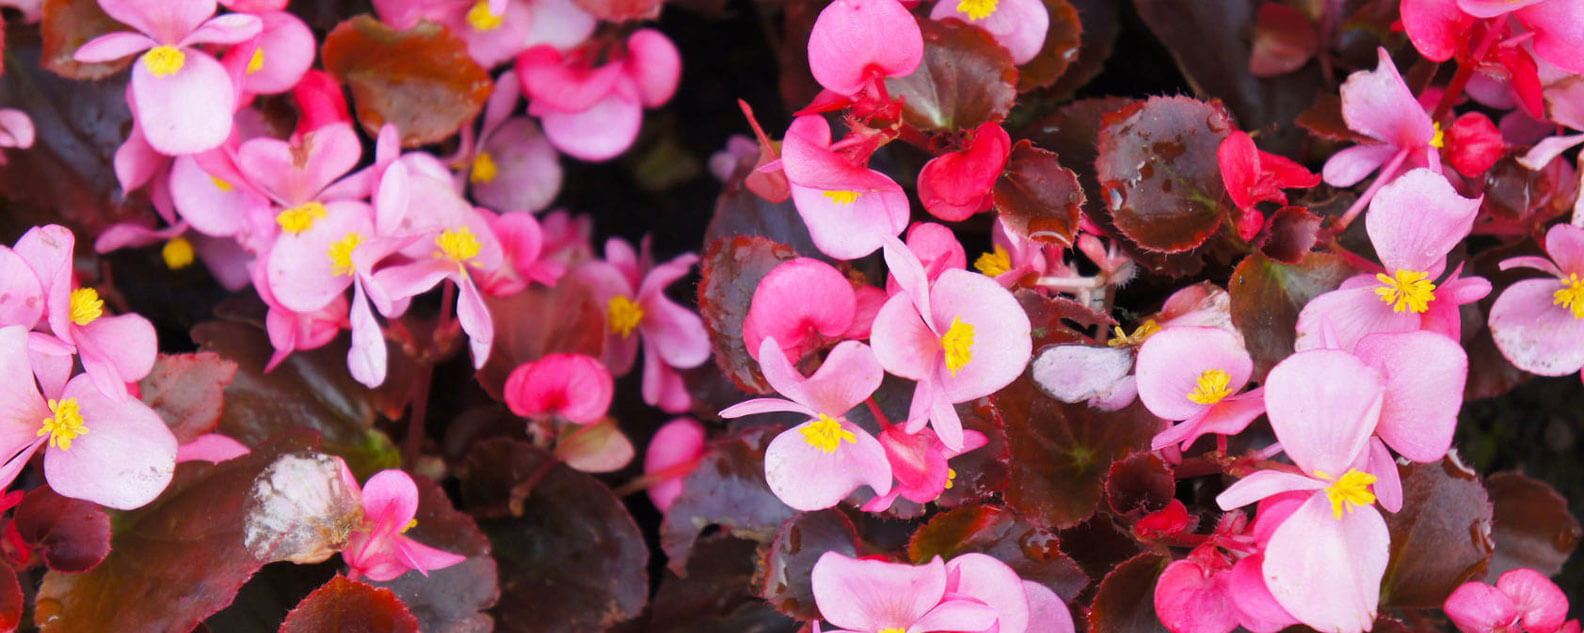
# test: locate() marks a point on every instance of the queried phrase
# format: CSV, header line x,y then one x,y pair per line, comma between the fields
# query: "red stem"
x,y
879,416
1465,71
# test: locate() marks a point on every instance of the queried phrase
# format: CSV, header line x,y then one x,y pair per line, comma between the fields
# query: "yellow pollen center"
x,y
1439,140
624,315
1352,490
178,253
484,169
86,306
958,342
1408,290
458,244
341,254
1213,386
299,219
1571,295
951,476
256,62
1145,330
977,9
480,18
222,185
64,425
410,525
842,197
994,264
163,61
825,434
894,629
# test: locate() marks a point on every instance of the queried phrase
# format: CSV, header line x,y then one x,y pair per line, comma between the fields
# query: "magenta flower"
x,y
115,452
803,304
1196,375
816,464
918,461
673,453
962,337
181,96
1521,596
849,209
956,185
593,113
1538,324
872,596
377,550
573,387
1253,175
1017,25
855,44
1378,104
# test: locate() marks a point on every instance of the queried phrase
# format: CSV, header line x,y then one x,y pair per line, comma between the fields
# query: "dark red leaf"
x,y
1442,536
1532,525
67,25
1058,320
714,596
1037,197
785,570
981,472
1126,600
1324,119
188,391
73,535
1266,298
1284,40
1101,24
728,489
1139,484
1099,545
1514,193
1158,171
449,600
570,556
731,271
349,606
1035,554
966,79
741,212
420,79
11,599
1290,233
1061,48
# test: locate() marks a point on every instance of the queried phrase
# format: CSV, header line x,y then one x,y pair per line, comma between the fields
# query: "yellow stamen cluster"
x,y
1439,140
340,254
484,169
623,314
164,61
825,434
1571,295
256,62
1408,290
978,9
1214,384
1352,490
64,425
994,264
958,342
458,244
298,219
842,197
177,253
410,525
480,18
951,477
1145,330
86,306
222,185
894,629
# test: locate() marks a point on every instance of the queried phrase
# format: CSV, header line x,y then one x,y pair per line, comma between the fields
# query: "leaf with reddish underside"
x,y
570,556
982,472
1515,193
1284,40
1062,452
1035,554
1158,172
621,10
538,321
188,391
449,600
1267,296
784,570
180,558
1532,525
714,596
727,489
1037,197
730,272
349,606
1139,484
1050,317
1442,536
1289,234
1324,119
1101,22
72,535
1062,41
66,26
1125,602
741,212
420,79
966,79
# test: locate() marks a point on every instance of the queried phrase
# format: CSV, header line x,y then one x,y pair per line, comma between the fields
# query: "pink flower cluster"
x,y
972,592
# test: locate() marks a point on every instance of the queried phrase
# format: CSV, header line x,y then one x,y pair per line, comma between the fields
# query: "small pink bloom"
x,y
1538,324
673,453
801,303
956,185
1473,144
1520,594
937,249
513,167
284,52
1017,25
377,550
918,461
855,43
522,240
593,113
1196,375
816,464
457,246
1253,175
574,387
1378,104
16,130
849,209
319,102
870,595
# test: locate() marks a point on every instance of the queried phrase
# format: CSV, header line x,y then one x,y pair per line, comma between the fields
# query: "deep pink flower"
x,y
849,209
1538,324
182,97
936,248
573,387
1017,25
802,304
1473,144
870,596
961,337
1253,175
1378,104
673,452
593,113
522,241
377,550
1196,375
1520,595
319,102
816,464
956,185
918,461
856,43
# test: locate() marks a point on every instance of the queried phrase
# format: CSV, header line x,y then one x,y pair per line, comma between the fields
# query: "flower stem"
x,y
1387,173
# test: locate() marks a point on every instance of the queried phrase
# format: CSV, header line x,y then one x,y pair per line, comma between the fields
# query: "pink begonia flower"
x,y
956,185
115,452
496,30
990,581
856,44
673,453
1017,25
1253,175
114,350
962,337
1324,563
299,178
1520,595
1538,324
1196,375
1209,593
183,97
637,310
1378,104
1012,256
593,113
936,248
1422,375
213,196
1413,223
918,461
16,130
467,247
849,209
723,163
378,550
572,387
872,596
319,102
803,304
522,241
284,52
512,167
1557,25
816,464
291,331
1473,144
568,239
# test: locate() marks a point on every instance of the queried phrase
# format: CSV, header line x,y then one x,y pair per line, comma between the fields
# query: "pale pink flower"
x,y
511,167
496,30
1196,375
872,596
849,209
1017,25
378,550
1538,324
1378,104
283,53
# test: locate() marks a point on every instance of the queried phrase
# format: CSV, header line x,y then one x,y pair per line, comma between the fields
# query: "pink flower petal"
x,y
796,303
662,386
956,615
210,447
1323,406
186,112
1565,244
1327,571
573,386
856,41
1559,32
807,478
302,274
230,28
212,206
1262,484
1535,334
1001,336
1257,609
287,49
1541,603
390,500
904,345
654,65
124,460
113,46
1350,165
366,358
21,294
674,331
528,173
849,374
990,581
1416,220
1424,374
164,20
1480,608
853,229
116,350
1388,483
675,444
599,133
1047,612
295,174
1351,313
1173,361
1017,25
869,595
1379,104
1192,599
